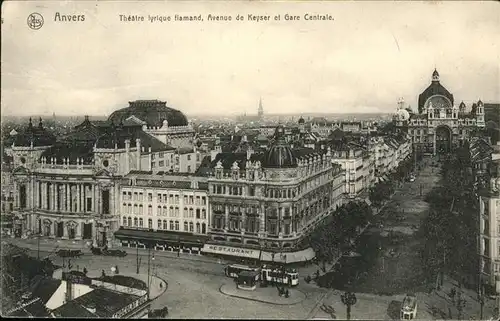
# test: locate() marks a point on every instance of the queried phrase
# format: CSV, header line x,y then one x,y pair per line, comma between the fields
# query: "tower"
x,y
435,76
401,103
261,109
480,114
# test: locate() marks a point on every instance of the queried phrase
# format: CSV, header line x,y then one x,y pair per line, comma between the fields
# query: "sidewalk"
x,y
51,245
266,295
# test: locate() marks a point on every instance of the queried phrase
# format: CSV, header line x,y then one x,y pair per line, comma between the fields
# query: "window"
x,y
124,197
191,200
189,169
135,221
177,226
185,199
159,225
140,222
191,213
124,221
141,210
165,225
150,197
159,198
160,155
198,201
204,214
185,212
176,211
188,157
136,209
191,226
150,223
136,197
161,164
197,227
129,220
172,211
198,213
203,200
150,210
158,212
176,199
152,156
141,197
172,225
153,164
165,211
185,226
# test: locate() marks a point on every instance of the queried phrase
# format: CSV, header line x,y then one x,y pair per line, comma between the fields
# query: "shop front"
x,y
252,256
161,240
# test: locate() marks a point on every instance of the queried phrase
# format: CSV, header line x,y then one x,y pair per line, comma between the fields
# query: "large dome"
x,y
280,155
403,115
153,112
434,89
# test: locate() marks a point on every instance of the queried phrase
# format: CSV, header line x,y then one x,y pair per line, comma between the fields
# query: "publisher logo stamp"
x,y
35,21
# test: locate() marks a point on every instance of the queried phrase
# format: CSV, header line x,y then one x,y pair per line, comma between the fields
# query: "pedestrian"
x,y
161,285
103,273
85,271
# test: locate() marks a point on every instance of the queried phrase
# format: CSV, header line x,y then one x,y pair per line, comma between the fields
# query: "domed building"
x,y
264,203
168,125
439,126
70,187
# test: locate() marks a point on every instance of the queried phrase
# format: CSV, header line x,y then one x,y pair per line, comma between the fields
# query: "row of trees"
x,y
383,190
449,230
337,236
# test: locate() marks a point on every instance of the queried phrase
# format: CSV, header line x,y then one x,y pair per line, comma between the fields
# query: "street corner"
x,y
267,295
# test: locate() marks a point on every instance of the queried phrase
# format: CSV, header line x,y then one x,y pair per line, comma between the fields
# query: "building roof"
x,y
45,288
435,88
72,150
280,155
165,236
105,302
152,112
38,135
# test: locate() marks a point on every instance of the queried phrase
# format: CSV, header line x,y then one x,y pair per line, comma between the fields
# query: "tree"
x,y
348,299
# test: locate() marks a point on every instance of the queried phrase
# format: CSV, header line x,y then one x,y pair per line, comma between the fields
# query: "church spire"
x,y
261,109
435,75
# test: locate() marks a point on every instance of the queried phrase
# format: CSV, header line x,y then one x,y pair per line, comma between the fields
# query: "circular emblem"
x,y
35,21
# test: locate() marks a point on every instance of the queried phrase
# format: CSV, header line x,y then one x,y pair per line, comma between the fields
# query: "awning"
x,y
289,257
231,250
161,236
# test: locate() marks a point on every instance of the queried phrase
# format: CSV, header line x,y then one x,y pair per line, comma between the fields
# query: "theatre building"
x,y
265,203
69,187
170,212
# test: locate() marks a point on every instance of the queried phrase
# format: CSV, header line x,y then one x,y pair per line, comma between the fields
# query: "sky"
x,y
371,54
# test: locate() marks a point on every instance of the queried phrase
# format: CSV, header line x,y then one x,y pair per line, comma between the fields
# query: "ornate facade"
x,y
274,199
69,187
440,125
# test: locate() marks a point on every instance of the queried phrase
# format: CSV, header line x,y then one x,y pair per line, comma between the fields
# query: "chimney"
x,y
138,154
69,290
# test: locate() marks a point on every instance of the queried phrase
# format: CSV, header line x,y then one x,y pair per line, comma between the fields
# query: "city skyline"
x,y
359,63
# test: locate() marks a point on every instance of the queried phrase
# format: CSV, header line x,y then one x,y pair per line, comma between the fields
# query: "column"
x,y
226,217
78,231
65,231
63,197
56,196
434,144
262,219
78,198
243,220
44,198
68,197
99,200
54,205
280,222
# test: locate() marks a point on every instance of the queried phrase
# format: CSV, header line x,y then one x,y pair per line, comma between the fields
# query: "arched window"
x,y
165,211
171,225
124,221
136,210
191,226
185,226
165,227
172,211
203,228
197,227
198,213
185,213
135,221
159,211
129,221
150,223
191,213
159,225
141,223
204,214
177,227
141,210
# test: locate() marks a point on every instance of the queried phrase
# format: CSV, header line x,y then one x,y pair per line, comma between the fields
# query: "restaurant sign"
x,y
229,250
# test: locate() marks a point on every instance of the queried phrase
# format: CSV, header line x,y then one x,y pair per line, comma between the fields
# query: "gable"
x,y
21,170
